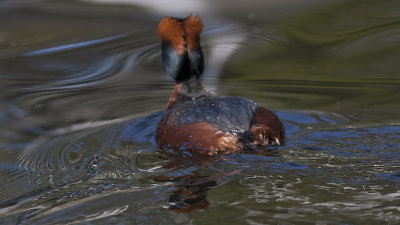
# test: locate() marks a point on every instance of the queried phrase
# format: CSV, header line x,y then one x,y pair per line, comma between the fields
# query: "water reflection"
x,y
190,190
72,46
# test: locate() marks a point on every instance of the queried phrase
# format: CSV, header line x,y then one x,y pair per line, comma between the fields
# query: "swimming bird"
x,y
196,119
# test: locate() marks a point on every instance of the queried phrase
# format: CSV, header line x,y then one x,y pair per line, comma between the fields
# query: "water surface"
x,y
82,90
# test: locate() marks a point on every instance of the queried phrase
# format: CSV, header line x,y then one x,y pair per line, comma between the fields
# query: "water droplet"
x,y
212,104
208,117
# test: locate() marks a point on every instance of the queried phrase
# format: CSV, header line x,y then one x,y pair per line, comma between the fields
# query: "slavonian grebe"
x,y
196,119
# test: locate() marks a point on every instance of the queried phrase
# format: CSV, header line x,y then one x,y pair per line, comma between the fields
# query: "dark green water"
x,y
82,86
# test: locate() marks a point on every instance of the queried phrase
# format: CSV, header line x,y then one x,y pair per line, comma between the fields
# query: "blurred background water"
x,y
82,89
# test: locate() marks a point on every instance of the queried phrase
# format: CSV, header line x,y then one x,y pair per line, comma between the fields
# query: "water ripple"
x,y
67,47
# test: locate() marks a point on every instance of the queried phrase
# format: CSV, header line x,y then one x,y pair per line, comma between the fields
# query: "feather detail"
x,y
193,27
171,30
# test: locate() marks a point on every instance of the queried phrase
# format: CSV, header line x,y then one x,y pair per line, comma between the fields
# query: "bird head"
x,y
181,51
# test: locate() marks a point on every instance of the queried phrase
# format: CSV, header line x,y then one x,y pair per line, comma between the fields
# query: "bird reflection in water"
x,y
190,191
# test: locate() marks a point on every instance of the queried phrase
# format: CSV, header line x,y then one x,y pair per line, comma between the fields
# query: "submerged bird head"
x,y
181,51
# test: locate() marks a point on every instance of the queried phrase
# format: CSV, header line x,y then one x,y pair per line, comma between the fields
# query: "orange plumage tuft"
x,y
174,30
193,27
171,30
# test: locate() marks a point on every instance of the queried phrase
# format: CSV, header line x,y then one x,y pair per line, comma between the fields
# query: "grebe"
x,y
194,118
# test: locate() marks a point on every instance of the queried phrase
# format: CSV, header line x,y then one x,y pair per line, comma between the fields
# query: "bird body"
x,y
197,120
